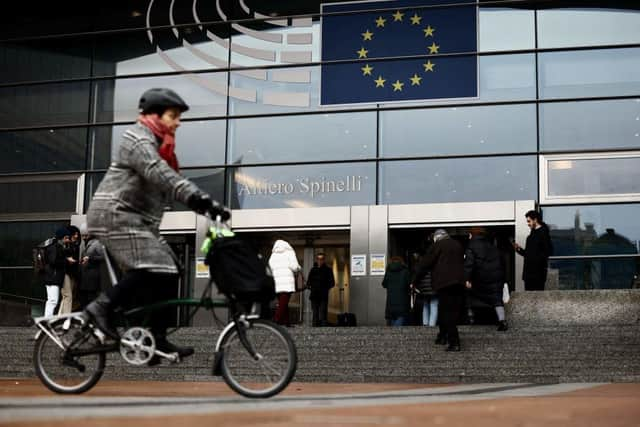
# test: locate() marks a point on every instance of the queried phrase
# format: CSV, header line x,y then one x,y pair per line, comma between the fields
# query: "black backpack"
x,y
239,271
39,256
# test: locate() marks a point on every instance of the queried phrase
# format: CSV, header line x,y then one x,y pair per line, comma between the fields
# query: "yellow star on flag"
x,y
362,53
366,70
434,48
428,31
397,16
397,86
428,66
415,80
367,35
415,19
380,81
380,21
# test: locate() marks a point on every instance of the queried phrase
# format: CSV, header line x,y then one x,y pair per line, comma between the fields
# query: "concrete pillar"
x,y
359,236
378,244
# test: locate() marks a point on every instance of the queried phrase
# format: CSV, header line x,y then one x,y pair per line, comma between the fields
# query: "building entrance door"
x,y
307,244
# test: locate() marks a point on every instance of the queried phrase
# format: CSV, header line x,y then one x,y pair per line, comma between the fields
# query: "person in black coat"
x,y
484,273
54,270
396,281
536,253
445,260
320,281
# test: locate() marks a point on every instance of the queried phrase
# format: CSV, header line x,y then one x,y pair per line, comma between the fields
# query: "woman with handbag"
x,y
284,265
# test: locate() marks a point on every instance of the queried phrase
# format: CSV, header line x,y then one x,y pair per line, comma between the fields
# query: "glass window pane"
x,y
17,239
302,186
38,196
314,137
590,125
593,229
209,180
458,180
159,50
587,27
117,100
91,182
198,143
44,104
458,131
37,18
43,150
605,72
496,22
602,273
594,176
45,59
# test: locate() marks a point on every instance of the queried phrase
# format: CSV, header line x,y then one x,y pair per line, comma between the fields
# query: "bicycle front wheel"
x,y
270,371
62,371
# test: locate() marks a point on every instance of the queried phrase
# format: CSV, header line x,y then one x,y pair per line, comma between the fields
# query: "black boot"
x,y
100,312
453,347
165,346
502,325
441,340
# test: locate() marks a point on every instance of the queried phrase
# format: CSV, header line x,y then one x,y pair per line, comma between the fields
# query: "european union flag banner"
x,y
398,32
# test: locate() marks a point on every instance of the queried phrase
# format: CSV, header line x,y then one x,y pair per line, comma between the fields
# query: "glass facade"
x,y
256,135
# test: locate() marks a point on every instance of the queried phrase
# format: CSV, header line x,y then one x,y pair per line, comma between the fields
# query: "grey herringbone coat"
x,y
127,208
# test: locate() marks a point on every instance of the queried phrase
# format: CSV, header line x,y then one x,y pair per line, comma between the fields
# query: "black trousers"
x,y
319,308
142,287
536,284
451,299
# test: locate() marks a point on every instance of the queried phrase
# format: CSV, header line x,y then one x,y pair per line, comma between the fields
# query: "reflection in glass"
x,y
598,273
496,22
590,125
314,137
458,180
91,182
43,150
579,74
594,176
458,131
302,186
17,239
587,27
594,229
209,180
117,100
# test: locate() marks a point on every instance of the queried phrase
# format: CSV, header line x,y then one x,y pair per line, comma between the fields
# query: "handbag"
x,y
300,286
505,294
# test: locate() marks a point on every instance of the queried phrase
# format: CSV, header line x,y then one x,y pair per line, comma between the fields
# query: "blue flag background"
x,y
402,31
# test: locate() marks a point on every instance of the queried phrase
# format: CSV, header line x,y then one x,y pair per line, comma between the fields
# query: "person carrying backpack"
x,y
54,269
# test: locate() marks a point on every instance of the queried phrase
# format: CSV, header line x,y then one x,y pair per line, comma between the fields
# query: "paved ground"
x,y
142,404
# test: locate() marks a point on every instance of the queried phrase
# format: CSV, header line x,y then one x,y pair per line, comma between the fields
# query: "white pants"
x,y
53,296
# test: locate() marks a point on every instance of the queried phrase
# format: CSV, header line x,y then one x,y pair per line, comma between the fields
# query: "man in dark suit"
x,y
445,260
536,253
320,282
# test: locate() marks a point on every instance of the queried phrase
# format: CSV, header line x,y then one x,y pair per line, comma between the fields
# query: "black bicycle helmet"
x,y
157,100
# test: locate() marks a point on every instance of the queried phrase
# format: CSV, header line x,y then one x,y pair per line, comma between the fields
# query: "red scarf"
x,y
162,131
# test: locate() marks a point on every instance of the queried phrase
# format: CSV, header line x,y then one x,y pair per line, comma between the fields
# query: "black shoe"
x,y
453,347
503,326
440,340
166,347
99,311
470,319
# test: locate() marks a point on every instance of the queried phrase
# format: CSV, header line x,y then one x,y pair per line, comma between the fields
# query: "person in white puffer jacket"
x,y
284,265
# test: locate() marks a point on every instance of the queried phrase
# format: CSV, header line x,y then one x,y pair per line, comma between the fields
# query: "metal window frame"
x,y
546,198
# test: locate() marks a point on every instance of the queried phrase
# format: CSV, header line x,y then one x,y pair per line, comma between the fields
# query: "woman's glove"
x,y
201,203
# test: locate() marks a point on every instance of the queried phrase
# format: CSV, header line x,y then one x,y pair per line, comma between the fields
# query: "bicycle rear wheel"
x,y
60,370
275,365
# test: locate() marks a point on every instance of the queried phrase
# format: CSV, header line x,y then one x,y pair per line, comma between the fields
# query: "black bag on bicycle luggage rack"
x,y
238,270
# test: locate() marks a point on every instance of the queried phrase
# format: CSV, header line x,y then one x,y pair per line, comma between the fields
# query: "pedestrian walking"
x,y
445,260
484,273
536,253
396,281
284,265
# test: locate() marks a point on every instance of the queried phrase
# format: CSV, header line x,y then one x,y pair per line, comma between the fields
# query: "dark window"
x,y
38,196
44,104
18,238
593,273
43,150
209,180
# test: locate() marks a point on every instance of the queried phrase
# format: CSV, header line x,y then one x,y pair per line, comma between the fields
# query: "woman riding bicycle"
x,y
127,208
